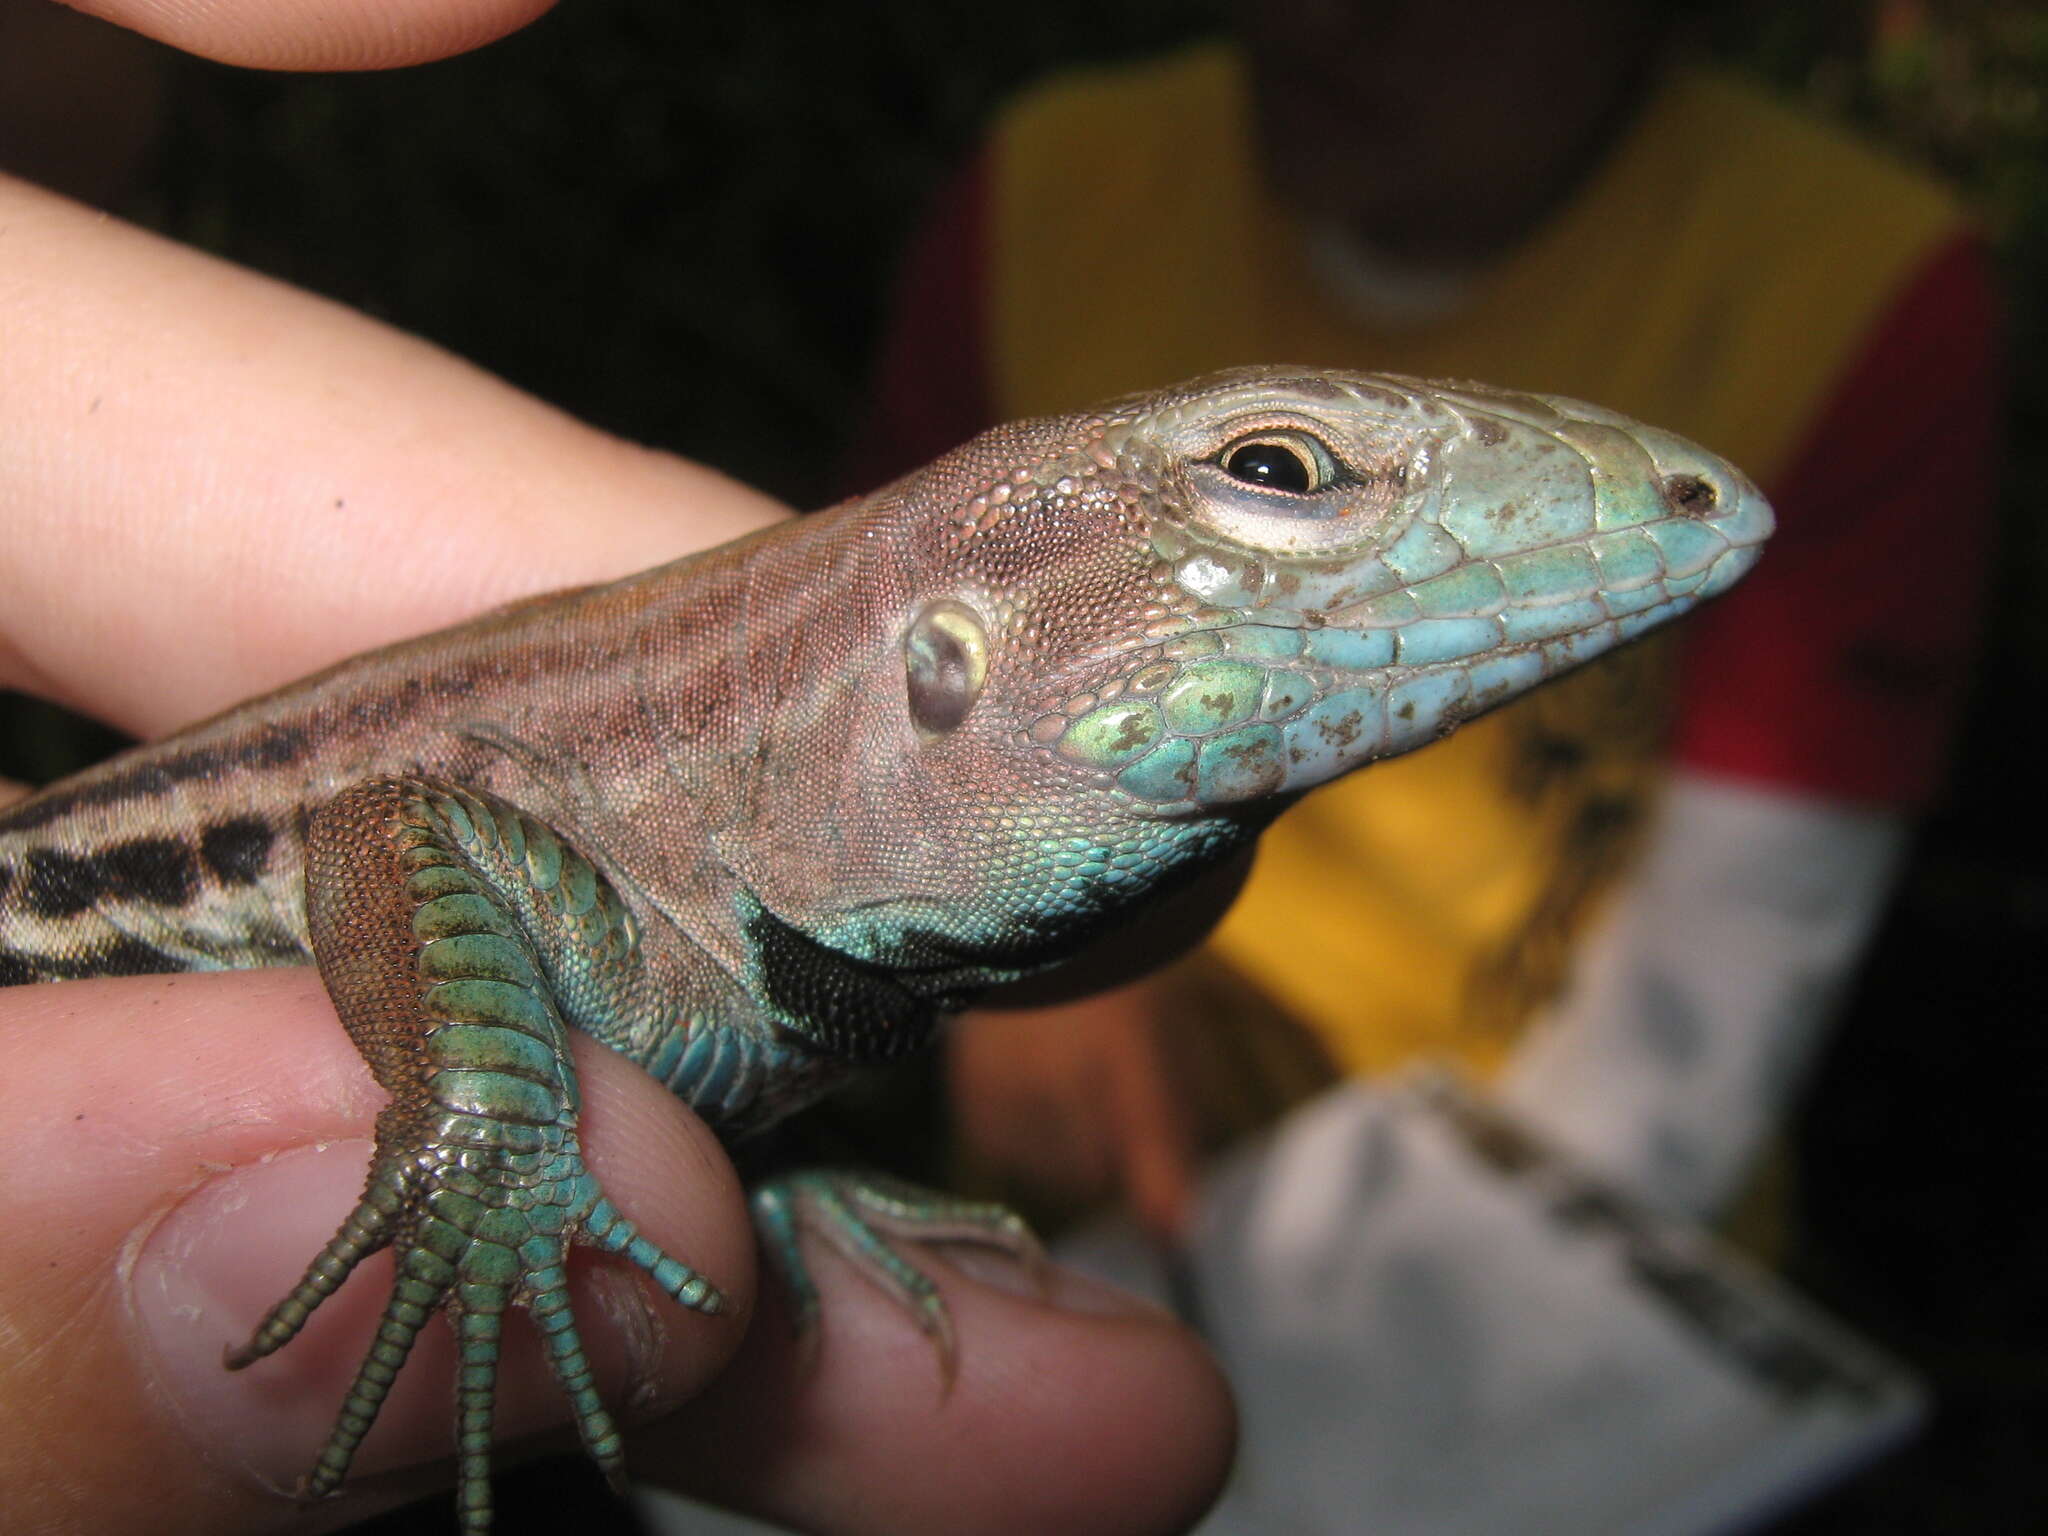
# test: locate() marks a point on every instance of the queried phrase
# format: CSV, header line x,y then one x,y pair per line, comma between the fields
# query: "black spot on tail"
x,y
158,870
123,957
131,957
59,885
237,850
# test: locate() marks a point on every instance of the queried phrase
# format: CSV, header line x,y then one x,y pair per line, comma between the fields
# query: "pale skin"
x,y
211,484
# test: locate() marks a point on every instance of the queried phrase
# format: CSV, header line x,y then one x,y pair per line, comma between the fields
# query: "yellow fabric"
x,y
1713,276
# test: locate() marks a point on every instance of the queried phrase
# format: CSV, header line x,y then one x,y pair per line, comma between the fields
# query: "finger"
x,y
319,34
213,483
188,1146
1090,1414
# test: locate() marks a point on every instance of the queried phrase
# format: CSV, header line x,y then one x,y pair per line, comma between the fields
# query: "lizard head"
x,y
1336,568
1133,635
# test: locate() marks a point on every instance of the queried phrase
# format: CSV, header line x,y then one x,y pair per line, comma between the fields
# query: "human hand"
x,y
212,484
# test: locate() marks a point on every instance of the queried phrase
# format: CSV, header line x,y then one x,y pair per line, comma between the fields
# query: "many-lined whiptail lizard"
x,y
763,817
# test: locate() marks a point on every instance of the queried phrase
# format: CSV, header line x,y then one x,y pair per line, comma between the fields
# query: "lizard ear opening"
x,y
945,658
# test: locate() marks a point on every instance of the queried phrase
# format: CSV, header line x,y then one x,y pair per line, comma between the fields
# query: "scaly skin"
x,y
762,817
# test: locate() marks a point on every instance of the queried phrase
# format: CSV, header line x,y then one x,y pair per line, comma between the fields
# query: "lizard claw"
x,y
866,1217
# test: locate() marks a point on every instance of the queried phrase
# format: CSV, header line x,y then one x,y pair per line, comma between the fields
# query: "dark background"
x,y
678,221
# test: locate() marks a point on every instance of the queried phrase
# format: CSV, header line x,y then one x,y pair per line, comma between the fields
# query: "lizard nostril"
x,y
1691,495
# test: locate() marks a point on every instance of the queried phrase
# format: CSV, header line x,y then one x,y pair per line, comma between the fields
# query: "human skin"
x,y
211,484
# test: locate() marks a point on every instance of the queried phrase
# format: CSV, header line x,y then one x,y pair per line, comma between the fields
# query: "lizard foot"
x,y
474,1237
865,1216
424,903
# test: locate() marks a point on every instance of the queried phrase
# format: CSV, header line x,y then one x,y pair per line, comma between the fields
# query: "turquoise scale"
x,y
1335,727
1352,650
1164,775
1212,696
1240,765
1417,706
1549,575
1427,642
1525,624
1688,547
1628,560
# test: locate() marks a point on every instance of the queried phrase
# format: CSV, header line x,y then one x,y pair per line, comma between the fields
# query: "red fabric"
x,y
1840,666
930,391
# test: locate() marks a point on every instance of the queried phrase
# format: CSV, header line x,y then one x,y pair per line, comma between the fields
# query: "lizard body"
x,y
762,817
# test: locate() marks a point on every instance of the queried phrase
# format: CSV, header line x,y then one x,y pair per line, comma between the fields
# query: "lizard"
x,y
763,817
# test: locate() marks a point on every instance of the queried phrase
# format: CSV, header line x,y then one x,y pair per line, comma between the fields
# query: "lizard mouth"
x,y
1382,691
1266,702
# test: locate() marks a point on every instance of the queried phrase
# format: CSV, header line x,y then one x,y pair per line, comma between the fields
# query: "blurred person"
x,y
1629,900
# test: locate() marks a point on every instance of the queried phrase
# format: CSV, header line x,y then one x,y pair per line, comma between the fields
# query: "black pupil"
x,y
1273,466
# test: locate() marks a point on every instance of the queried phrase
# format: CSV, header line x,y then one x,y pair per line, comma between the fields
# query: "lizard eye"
x,y
1290,462
945,659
